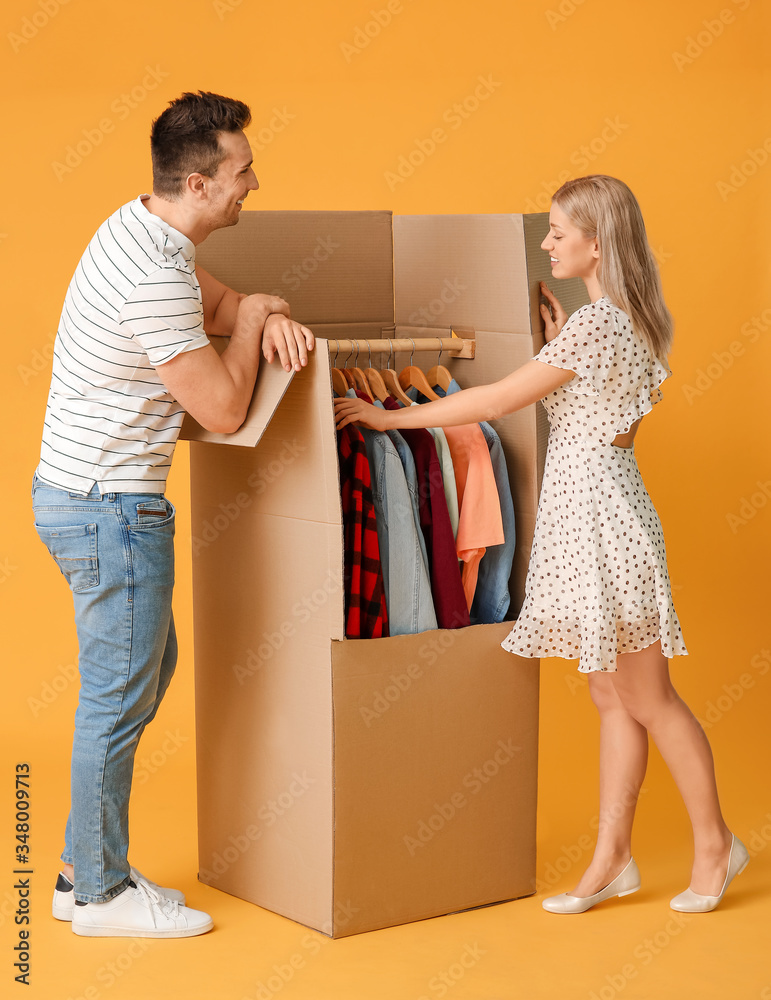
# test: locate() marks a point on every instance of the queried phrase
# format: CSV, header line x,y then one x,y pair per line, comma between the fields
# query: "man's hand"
x,y
290,340
349,411
253,311
554,319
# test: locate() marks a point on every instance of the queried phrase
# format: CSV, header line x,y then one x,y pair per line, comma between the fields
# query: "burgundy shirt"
x,y
449,598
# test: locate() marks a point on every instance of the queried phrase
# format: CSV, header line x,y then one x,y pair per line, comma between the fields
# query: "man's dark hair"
x,y
185,139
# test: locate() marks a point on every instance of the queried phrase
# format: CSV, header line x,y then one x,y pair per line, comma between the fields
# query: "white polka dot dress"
x,y
597,584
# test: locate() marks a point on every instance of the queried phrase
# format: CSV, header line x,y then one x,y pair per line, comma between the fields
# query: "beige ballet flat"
x,y
692,902
623,884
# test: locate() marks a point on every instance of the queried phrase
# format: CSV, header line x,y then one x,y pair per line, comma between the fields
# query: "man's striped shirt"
x,y
133,304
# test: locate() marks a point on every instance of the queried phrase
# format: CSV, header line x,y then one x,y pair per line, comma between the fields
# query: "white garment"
x,y
597,584
134,302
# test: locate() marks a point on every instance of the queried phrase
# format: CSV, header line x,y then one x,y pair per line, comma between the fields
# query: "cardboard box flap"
x,y
272,383
332,267
464,270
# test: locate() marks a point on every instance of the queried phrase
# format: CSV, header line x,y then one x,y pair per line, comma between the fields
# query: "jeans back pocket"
x,y
74,549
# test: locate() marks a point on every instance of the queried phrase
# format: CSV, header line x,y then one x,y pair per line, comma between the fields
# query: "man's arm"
x,y
220,305
217,389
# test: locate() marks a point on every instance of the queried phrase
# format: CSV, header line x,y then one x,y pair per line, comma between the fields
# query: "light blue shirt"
x,y
402,548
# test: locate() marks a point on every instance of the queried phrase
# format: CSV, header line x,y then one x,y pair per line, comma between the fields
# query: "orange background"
x,y
668,97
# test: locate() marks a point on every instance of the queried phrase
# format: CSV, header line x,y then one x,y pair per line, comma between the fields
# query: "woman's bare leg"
x,y
623,759
644,686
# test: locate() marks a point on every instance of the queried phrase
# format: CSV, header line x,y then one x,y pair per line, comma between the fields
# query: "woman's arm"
x,y
532,381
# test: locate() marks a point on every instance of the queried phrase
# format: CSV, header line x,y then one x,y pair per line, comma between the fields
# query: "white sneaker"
x,y
139,911
64,897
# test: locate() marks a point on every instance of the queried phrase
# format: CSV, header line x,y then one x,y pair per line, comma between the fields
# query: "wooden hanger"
x,y
412,377
439,375
339,382
391,380
377,387
359,380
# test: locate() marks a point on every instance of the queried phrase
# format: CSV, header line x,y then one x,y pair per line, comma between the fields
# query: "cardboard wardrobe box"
x,y
357,784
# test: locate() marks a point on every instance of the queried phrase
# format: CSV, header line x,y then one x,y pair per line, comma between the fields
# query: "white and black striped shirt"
x,y
134,303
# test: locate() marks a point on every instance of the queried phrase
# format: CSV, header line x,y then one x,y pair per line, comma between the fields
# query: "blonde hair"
x,y
604,208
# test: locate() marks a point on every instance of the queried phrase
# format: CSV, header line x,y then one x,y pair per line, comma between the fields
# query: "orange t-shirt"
x,y
479,520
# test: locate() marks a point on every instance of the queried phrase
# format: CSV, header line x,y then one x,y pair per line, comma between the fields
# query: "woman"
x,y
597,586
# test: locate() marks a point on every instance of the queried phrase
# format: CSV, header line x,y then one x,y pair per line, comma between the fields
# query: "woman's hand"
x,y
350,411
555,318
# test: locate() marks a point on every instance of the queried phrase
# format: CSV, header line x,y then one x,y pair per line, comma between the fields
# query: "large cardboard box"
x,y
358,784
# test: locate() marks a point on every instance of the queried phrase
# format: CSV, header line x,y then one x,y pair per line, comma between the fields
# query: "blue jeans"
x,y
116,552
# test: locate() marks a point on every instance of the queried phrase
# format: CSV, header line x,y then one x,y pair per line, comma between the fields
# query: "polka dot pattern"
x,y
597,583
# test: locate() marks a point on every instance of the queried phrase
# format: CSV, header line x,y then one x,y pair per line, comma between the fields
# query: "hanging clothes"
x,y
405,575
445,463
366,615
492,598
480,523
411,477
449,597
444,455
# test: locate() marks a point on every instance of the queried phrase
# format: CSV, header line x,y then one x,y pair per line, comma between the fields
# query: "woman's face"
x,y
571,254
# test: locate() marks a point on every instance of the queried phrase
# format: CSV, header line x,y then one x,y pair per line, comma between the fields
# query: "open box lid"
x,y
335,269
270,387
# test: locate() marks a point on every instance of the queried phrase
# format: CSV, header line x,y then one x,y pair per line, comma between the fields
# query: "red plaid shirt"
x,y
365,605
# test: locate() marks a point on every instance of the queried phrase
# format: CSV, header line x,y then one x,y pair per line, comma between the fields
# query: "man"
x,y
131,355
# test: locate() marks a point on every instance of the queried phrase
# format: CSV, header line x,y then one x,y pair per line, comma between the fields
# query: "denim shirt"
x,y
402,552
445,460
491,598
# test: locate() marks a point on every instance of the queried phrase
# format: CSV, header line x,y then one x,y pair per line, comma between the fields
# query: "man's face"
x,y
232,182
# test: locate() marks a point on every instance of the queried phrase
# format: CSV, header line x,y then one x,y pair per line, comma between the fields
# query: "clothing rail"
x,y
457,346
